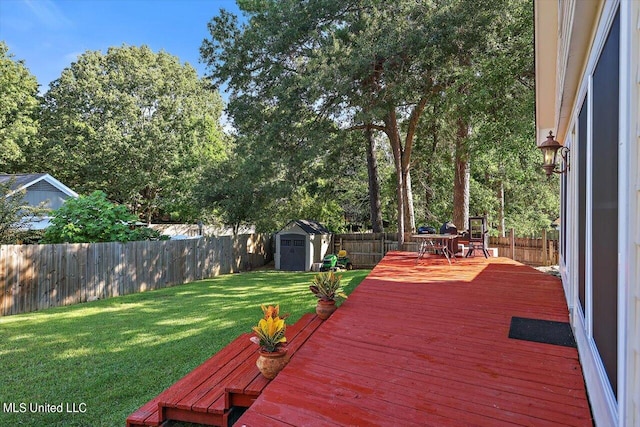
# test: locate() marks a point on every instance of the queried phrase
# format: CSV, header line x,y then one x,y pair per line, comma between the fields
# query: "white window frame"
x,y
605,407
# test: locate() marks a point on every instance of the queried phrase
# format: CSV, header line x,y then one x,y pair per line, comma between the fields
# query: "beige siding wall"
x,y
633,343
580,32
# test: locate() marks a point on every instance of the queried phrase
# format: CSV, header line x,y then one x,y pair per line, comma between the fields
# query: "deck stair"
x,y
227,380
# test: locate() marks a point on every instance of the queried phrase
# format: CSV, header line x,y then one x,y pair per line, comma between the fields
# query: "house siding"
x,y
43,192
582,29
631,11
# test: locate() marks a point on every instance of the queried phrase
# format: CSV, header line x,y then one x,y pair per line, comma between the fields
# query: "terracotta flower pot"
x,y
270,364
324,309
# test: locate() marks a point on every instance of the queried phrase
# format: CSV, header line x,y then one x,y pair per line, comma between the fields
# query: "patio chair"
x,y
478,235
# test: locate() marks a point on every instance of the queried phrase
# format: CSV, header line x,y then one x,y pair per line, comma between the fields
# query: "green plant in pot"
x,y
327,288
270,336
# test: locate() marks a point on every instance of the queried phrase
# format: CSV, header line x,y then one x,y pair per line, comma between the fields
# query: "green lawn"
x,y
106,358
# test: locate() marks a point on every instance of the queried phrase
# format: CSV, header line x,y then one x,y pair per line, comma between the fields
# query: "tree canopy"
x,y
18,110
446,84
415,112
135,124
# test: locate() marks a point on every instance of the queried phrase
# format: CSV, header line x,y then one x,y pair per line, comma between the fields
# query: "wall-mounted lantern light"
x,y
550,149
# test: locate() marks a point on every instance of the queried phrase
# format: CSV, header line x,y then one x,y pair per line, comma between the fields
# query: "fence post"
x,y
544,247
512,236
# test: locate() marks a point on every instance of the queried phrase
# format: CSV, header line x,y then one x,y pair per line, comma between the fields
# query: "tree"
x,y
492,95
253,186
429,76
15,212
18,108
11,208
231,190
135,124
302,58
92,218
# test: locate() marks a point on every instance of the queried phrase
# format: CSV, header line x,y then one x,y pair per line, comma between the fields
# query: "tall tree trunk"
x,y
409,212
391,129
402,161
461,178
429,178
374,184
410,221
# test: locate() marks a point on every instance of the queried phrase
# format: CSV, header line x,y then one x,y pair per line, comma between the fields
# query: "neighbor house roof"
x,y
21,182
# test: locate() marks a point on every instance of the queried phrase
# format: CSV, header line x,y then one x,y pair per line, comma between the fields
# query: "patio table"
x,y
434,242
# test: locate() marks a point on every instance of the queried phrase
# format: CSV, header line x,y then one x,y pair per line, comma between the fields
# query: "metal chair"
x,y
478,235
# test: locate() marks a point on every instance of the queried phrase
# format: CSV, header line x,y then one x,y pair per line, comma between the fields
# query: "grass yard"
x,y
100,361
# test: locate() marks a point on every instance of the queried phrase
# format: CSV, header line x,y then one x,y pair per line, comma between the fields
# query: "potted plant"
x,y
327,288
270,336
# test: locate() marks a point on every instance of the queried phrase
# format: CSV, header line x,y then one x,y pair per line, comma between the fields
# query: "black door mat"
x,y
543,331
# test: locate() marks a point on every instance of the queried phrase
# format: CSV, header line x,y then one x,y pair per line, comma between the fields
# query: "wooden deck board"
x,y
177,391
410,379
249,382
404,403
257,419
228,378
203,397
147,415
236,374
427,344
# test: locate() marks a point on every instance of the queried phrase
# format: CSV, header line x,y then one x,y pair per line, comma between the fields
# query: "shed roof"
x,y
309,226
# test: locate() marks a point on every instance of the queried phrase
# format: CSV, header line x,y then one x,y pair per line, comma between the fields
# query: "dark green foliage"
x,y
18,110
93,218
135,124
306,78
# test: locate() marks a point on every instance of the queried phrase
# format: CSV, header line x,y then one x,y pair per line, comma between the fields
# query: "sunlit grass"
x,y
114,355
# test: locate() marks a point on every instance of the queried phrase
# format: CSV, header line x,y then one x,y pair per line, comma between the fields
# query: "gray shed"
x,y
300,244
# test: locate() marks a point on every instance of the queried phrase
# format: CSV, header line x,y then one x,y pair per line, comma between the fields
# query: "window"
x,y
582,203
604,206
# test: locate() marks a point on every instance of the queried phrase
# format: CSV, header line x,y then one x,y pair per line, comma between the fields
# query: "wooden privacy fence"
x,y
537,252
35,277
367,249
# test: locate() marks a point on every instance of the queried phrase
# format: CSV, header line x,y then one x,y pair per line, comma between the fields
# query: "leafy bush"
x,y
93,218
28,237
10,215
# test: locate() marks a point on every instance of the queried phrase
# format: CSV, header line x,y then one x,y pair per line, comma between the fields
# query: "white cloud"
x,y
49,14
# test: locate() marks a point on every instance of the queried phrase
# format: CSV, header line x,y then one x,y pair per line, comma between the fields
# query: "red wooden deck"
x,y
428,344
229,378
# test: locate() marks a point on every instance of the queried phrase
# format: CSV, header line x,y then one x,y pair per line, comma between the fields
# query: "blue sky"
x,y
50,34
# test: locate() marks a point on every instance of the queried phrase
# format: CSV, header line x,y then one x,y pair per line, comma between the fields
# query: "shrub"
x,y
93,218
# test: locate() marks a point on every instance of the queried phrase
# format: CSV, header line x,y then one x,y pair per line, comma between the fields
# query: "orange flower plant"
x,y
270,331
